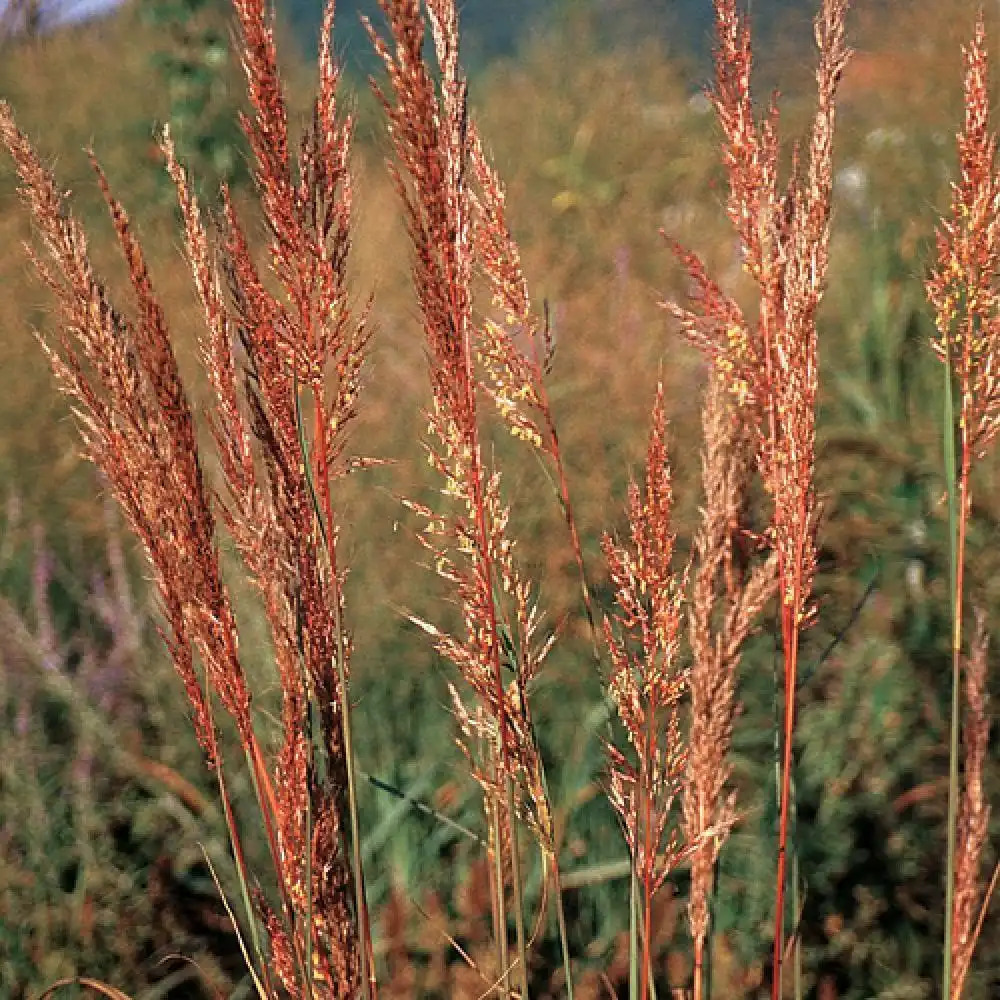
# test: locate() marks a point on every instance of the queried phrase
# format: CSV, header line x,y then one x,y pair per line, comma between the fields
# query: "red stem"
x,y
791,614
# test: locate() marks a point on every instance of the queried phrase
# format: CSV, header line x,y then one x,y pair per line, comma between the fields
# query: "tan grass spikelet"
x,y
136,425
784,240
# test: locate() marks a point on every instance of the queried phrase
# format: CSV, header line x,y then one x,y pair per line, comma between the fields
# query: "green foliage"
x,y
100,872
193,63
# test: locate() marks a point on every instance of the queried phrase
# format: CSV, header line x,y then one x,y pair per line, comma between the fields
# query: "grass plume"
x,y
453,203
727,596
284,352
962,290
784,234
648,682
270,359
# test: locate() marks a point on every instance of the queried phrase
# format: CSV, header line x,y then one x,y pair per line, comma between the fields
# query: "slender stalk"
x,y
500,901
697,986
796,907
242,871
307,933
563,933
494,881
647,927
633,934
649,850
712,901
701,985
790,642
516,891
550,861
956,487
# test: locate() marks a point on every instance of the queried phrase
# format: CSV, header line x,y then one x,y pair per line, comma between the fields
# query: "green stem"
x,y
563,933
500,903
515,868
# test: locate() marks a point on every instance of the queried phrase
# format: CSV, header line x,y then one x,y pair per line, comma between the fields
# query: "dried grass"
x,y
284,349
962,290
772,365
272,359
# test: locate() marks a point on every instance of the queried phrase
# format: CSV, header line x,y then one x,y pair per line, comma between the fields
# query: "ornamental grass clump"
x,y
718,596
285,367
728,593
962,289
648,684
784,235
284,351
453,204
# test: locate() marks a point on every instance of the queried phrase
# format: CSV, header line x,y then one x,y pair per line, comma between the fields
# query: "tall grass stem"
x,y
956,536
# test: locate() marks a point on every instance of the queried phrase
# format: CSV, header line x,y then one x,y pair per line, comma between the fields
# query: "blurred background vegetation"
x,y
595,117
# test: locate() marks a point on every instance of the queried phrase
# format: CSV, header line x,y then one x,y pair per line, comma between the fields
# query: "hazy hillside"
x,y
499,27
